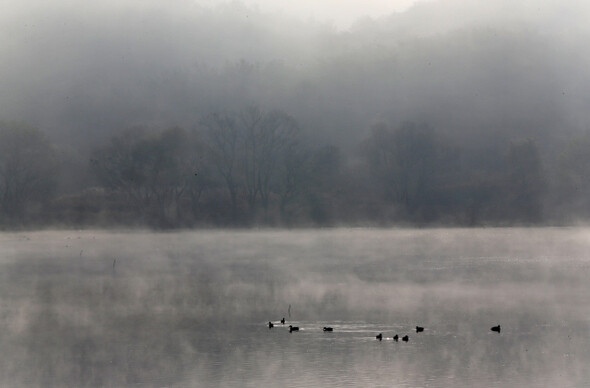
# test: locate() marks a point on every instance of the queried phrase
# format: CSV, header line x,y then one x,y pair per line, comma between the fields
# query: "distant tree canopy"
x,y
152,172
525,181
425,179
406,163
403,160
28,172
250,167
258,157
233,168
567,181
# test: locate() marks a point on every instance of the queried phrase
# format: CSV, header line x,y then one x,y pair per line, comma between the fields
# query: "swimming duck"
x,y
328,329
405,338
396,338
419,329
270,325
497,329
379,336
293,328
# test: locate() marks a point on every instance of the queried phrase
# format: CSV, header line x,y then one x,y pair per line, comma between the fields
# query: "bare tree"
x,y
252,121
248,150
275,136
199,172
403,161
222,138
526,182
28,169
151,170
292,177
119,167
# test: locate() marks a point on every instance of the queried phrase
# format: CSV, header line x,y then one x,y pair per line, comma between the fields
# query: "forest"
x,y
183,116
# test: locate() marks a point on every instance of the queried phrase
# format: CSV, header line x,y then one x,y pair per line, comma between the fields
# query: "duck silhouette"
x,y
270,325
283,321
497,329
328,328
405,338
293,328
396,338
379,336
419,329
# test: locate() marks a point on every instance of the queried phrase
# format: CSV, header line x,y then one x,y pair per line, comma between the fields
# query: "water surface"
x,y
191,309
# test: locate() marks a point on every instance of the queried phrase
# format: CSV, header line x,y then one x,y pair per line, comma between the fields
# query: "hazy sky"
x,y
341,13
86,68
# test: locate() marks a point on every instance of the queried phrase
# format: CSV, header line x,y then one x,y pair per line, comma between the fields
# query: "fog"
x,y
93,308
235,129
437,112
84,71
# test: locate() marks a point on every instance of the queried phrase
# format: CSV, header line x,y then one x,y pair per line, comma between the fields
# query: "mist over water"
x,y
96,308
213,114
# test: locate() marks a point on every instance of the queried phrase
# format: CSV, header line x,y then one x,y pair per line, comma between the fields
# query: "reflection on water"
x,y
192,309
351,356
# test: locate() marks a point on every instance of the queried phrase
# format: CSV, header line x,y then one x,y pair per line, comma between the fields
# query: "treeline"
x,y
254,167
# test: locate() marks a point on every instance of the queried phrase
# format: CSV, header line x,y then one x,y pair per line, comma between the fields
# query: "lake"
x,y
191,309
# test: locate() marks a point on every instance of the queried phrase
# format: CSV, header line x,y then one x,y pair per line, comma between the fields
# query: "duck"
x,y
405,338
328,328
270,325
283,321
497,329
293,328
419,329
379,336
396,338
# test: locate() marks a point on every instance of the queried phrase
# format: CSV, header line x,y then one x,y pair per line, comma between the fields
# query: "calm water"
x,y
89,309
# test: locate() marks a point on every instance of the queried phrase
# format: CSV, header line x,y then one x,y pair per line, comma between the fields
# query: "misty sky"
x,y
95,67
342,13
